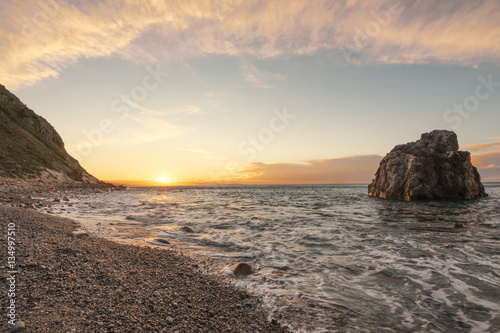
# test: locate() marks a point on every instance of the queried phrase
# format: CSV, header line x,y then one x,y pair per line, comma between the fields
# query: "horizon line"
x,y
152,183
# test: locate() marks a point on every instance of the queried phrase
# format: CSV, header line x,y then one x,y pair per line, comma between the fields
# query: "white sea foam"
x,y
329,258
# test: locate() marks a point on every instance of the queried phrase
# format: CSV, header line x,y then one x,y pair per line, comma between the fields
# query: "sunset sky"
x,y
255,92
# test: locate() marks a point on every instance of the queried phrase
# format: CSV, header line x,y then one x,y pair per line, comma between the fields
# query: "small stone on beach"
x,y
80,233
18,326
241,269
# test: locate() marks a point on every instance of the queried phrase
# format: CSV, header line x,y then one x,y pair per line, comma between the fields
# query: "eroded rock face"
x,y
431,168
30,147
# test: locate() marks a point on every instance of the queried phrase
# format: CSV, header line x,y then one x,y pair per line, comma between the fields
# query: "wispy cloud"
x,y
351,169
480,146
138,129
487,161
145,110
152,129
185,109
206,154
39,39
258,77
484,160
488,164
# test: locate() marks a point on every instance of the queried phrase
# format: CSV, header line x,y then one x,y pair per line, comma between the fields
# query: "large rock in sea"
x,y
431,168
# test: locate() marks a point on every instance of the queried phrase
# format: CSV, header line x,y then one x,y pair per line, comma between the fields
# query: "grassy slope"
x,y
24,152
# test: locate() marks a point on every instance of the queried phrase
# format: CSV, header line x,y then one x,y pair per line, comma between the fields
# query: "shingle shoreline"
x,y
89,284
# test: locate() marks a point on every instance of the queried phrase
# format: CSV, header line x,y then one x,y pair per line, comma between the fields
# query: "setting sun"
x,y
164,179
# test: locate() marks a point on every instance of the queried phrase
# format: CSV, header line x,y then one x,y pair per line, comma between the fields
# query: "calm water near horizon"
x,y
329,256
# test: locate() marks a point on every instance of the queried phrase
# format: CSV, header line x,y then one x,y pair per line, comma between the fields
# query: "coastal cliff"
x,y
431,168
30,147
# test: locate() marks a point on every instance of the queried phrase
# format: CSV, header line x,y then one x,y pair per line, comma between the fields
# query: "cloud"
x,y
351,169
38,39
197,150
483,160
480,146
152,129
258,77
138,129
206,154
488,164
185,109
144,109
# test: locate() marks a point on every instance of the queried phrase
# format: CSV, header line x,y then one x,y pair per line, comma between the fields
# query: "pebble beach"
x,y
71,282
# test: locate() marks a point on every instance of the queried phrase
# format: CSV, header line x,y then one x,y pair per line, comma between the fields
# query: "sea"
x,y
328,258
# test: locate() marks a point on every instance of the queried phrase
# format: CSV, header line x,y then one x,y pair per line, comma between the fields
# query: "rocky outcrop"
x,y
43,127
431,168
31,148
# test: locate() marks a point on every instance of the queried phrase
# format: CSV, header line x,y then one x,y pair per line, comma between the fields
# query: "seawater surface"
x,y
328,257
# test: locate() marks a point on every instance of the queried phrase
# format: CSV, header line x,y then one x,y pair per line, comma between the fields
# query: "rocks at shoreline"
x,y
89,284
431,168
33,194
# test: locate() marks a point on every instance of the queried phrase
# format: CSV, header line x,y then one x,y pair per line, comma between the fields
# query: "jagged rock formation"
x,y
31,148
429,169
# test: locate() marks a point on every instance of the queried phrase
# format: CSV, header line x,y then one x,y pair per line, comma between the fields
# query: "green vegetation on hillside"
x,y
29,144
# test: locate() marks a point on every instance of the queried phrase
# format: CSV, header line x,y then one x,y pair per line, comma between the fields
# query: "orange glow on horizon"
x,y
165,179
152,183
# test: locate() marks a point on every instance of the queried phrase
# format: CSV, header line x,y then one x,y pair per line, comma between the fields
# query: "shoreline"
x,y
39,193
66,283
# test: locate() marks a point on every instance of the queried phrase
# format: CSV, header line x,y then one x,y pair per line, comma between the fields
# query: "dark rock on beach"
x,y
163,241
241,269
431,168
